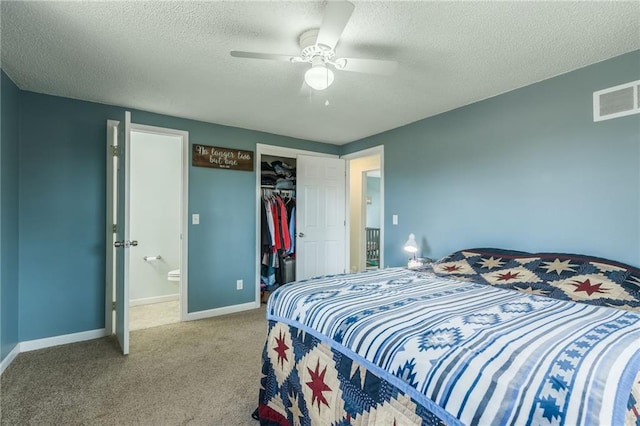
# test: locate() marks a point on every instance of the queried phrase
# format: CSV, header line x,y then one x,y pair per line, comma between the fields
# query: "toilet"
x,y
174,275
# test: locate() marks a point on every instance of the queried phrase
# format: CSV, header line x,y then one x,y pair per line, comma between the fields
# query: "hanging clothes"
x,y
277,237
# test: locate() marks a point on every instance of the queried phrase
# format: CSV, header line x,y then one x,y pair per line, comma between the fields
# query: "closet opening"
x,y
303,193
277,222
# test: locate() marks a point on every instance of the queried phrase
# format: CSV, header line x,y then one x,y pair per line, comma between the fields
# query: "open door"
x,y
320,216
118,204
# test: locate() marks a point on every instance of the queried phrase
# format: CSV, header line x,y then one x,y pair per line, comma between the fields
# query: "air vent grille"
x,y
617,101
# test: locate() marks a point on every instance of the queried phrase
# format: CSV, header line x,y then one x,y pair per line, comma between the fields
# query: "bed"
x,y
480,337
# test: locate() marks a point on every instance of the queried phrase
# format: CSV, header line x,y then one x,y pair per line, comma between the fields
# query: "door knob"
x,y
301,234
118,244
134,243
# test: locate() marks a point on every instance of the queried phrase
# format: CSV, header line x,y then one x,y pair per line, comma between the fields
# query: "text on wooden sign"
x,y
222,158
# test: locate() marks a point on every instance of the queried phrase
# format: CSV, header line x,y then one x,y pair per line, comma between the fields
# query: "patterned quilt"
x,y
407,347
579,278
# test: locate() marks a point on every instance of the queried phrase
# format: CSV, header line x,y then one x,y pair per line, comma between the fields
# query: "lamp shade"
x,y
411,246
318,77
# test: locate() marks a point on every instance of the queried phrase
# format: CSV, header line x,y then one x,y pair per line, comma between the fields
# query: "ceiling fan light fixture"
x,y
319,77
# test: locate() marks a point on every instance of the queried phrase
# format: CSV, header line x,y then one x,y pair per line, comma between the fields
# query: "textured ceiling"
x,y
173,57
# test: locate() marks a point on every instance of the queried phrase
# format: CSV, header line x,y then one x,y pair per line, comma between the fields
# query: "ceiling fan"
x,y
317,47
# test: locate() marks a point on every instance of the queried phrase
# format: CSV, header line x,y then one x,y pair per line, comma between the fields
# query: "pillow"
x,y
580,278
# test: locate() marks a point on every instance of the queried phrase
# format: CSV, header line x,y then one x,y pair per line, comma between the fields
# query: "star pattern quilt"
x,y
407,347
579,278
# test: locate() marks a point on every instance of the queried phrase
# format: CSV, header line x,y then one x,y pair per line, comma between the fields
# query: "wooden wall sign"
x,y
222,158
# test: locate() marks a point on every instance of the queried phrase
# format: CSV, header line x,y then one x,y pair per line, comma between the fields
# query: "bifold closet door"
x,y
320,216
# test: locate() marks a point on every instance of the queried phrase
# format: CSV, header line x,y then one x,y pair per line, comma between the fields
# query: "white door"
x,y
118,134
320,216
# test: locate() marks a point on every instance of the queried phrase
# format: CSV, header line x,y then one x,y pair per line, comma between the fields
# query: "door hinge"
x,y
114,150
113,306
114,228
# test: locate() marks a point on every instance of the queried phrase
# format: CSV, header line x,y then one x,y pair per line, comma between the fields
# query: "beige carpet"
x,y
203,372
154,314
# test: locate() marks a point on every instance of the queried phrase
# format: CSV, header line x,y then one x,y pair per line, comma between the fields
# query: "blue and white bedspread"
x,y
469,352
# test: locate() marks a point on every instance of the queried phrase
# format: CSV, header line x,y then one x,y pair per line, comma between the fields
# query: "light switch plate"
x,y
195,219
395,219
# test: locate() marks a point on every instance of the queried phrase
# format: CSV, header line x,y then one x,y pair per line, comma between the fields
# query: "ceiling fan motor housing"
x,y
311,50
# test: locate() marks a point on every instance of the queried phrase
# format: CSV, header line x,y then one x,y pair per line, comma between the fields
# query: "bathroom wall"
x,y
155,215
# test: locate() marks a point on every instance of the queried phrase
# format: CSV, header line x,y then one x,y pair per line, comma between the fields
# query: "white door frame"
x,y
184,210
276,151
363,220
109,276
376,150
109,249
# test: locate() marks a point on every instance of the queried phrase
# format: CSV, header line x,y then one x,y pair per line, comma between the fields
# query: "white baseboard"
x,y
32,345
156,299
9,358
221,311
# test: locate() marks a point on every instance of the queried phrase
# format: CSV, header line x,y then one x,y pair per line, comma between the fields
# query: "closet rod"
x,y
267,192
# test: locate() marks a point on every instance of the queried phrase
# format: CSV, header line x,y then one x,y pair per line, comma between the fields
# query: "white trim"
x,y
381,206
155,299
11,356
363,220
277,151
112,128
281,151
369,152
376,150
596,101
184,213
124,341
184,256
222,311
32,345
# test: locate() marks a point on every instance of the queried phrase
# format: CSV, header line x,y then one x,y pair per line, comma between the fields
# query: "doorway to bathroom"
x,y
156,185
155,220
138,198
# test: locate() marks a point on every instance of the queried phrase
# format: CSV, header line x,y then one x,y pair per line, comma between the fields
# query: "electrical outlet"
x,y
239,285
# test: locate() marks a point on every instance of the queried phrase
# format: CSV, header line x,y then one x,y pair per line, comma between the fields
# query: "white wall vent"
x,y
616,101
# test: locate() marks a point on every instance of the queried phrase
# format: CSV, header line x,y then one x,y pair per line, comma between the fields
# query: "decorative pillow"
x,y
562,276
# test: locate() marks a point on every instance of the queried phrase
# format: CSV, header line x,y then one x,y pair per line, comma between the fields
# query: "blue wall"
x,y
526,170
222,247
62,210
9,137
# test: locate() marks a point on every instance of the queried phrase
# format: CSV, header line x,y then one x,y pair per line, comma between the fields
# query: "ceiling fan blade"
x,y
255,55
336,16
368,66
